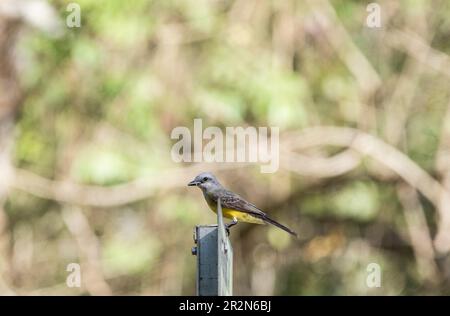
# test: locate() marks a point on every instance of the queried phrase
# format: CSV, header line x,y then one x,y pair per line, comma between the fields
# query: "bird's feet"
x,y
232,223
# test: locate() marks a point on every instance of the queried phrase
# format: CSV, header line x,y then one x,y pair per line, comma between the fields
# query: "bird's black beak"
x,y
193,183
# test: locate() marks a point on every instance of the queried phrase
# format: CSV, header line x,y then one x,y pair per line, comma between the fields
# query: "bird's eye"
x,y
205,179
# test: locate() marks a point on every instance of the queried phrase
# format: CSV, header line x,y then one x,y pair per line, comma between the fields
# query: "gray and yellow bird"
x,y
234,206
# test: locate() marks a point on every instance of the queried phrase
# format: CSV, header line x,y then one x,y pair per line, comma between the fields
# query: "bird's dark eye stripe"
x,y
205,179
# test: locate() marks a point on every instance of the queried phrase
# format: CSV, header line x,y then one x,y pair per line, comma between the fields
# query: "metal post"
x,y
214,258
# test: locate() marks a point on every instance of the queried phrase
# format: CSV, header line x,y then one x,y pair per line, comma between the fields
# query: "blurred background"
x,y
86,113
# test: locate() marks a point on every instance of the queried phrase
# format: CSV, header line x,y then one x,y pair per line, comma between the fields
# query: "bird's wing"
x,y
233,201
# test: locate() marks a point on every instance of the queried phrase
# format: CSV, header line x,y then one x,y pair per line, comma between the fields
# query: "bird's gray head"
x,y
205,181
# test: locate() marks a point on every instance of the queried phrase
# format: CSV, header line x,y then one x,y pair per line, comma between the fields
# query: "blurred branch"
x,y
443,167
415,46
357,63
399,105
392,158
365,74
419,233
88,245
90,195
320,167
373,147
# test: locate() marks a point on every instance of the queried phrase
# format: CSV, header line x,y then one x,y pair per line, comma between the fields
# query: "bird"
x,y
234,207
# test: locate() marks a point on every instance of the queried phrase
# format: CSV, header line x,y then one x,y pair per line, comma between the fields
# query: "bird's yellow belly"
x,y
240,216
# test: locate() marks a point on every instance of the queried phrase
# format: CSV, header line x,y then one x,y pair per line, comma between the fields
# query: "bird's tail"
x,y
286,229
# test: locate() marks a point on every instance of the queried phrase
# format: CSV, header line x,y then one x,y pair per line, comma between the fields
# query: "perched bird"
x,y
234,207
